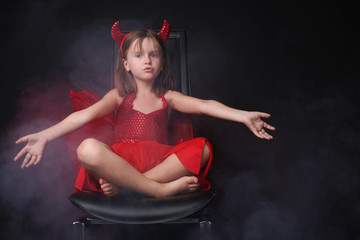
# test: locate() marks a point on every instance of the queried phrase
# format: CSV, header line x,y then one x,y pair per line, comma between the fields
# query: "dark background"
x,y
298,61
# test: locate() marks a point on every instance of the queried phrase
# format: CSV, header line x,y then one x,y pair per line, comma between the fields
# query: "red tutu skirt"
x,y
143,155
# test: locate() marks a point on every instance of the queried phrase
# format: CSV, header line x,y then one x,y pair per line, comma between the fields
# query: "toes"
x,y
105,185
102,181
108,192
192,180
193,184
194,187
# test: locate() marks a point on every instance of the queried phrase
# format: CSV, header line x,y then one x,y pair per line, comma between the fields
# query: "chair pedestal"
x,y
81,226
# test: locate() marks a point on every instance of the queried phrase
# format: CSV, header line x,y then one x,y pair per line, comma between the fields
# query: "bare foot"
x,y
184,184
109,188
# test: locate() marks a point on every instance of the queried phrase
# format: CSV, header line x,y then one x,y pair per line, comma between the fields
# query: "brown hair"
x,y
124,81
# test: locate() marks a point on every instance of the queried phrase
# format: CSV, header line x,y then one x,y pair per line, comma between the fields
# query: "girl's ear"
x,y
126,65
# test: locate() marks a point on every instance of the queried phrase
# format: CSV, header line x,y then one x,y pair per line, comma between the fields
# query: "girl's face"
x,y
145,62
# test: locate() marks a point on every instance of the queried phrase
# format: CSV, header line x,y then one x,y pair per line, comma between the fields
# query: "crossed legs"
x,y
168,178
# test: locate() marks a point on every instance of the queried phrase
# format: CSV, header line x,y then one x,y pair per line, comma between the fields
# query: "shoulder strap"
x,y
127,102
164,101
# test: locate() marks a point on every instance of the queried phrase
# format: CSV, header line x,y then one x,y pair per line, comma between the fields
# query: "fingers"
x,y
267,136
20,154
23,150
263,134
26,160
29,159
38,158
268,126
32,160
21,140
265,115
257,126
257,133
32,150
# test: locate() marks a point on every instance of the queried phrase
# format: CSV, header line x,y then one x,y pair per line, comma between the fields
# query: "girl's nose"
x,y
147,59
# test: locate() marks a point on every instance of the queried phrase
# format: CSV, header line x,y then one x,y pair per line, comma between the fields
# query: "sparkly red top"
x,y
133,126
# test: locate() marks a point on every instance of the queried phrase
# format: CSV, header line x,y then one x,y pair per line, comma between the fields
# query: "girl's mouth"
x,y
148,69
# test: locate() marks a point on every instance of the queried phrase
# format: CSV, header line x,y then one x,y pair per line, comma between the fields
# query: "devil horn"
x,y
165,31
116,34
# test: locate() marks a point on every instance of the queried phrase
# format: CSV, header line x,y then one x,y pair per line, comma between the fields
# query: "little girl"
x,y
140,158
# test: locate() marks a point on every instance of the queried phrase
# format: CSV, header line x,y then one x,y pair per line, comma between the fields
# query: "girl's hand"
x,y
33,149
257,126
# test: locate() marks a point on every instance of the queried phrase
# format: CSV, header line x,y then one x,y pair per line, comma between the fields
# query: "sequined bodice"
x,y
134,126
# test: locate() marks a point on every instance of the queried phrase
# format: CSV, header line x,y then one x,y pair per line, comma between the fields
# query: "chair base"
x,y
81,226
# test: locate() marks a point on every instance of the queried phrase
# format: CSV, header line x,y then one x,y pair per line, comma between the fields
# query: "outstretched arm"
x,y
36,142
191,105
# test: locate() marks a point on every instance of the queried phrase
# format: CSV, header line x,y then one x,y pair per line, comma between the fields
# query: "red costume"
x,y
143,140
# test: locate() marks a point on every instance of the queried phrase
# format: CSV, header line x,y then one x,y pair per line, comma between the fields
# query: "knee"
x,y
89,152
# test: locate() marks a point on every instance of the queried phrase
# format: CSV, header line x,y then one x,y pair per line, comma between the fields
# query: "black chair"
x,y
138,209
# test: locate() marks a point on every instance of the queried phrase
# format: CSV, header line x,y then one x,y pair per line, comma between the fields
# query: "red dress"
x,y
143,140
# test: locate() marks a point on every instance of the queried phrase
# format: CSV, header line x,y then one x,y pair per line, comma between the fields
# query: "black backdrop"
x,y
299,62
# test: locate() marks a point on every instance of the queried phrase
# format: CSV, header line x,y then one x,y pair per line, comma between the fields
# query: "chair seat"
x,y
140,209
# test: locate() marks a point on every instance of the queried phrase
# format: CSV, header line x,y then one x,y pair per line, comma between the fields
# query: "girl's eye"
x,y
154,55
137,55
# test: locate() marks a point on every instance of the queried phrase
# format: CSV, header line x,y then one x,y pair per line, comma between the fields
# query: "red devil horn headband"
x,y
119,37
165,31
